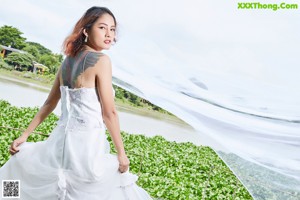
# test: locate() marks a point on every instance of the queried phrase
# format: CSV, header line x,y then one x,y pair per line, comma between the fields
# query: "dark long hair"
x,y
75,41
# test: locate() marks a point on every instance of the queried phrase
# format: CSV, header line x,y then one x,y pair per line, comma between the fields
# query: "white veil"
x,y
231,74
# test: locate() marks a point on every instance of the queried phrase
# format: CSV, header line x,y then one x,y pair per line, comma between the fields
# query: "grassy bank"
x,y
28,77
167,170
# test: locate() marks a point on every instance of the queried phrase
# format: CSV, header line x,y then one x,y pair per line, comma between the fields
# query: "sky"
x,y
191,36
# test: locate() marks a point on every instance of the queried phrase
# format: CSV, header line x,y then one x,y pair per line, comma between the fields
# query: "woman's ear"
x,y
85,33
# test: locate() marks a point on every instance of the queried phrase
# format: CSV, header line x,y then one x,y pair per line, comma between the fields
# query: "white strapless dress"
x,y
74,163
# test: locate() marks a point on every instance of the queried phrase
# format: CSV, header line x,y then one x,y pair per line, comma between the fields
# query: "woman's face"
x,y
102,33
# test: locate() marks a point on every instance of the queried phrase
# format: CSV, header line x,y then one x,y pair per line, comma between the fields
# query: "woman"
x,y
74,162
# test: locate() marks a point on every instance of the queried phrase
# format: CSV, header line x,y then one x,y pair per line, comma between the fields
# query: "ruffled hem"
x,y
38,167
124,183
127,179
62,185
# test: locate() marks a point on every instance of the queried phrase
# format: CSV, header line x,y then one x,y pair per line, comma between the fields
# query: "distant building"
x,y
35,68
40,68
7,50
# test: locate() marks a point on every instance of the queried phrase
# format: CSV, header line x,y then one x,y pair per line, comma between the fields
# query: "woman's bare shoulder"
x,y
95,57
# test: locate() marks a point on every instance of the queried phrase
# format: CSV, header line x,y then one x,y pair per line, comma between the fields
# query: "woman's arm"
x,y
47,108
109,113
44,111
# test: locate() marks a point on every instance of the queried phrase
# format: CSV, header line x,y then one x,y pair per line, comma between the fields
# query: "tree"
x,y
42,50
33,51
134,99
10,36
118,92
51,62
46,57
59,57
22,60
126,94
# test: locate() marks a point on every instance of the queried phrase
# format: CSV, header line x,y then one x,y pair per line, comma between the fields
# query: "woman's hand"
x,y
17,142
123,162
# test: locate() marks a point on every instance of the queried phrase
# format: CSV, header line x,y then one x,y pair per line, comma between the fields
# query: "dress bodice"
x,y
80,107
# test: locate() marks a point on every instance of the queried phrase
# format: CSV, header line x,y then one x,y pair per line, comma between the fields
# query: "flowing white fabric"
x,y
253,129
74,163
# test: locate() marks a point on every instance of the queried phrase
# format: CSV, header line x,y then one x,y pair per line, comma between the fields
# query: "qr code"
x,y
10,188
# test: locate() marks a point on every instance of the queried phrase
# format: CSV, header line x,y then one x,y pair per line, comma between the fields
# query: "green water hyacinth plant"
x,y
167,170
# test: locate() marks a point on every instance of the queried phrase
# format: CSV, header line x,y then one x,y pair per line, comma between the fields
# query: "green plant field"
x,y
167,170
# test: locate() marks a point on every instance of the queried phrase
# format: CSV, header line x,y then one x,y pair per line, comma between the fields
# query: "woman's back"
x,y
80,103
80,71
